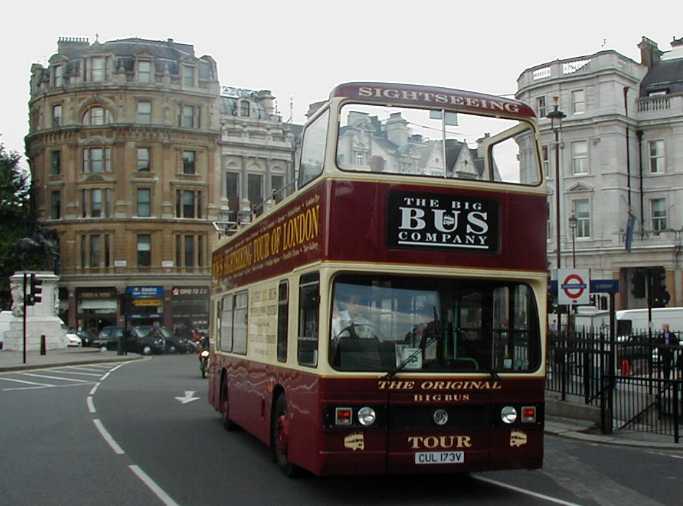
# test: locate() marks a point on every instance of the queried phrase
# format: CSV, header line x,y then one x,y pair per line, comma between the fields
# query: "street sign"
x,y
574,287
605,285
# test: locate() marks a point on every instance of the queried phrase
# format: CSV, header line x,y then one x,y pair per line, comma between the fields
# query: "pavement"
x,y
572,428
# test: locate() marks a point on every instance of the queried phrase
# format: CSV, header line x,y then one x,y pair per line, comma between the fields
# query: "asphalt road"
x,y
53,452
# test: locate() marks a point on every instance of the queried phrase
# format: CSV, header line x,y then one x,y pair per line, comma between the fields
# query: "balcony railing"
x,y
653,104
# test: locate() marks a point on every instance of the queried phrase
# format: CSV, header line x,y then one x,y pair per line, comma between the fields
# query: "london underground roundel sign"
x,y
573,286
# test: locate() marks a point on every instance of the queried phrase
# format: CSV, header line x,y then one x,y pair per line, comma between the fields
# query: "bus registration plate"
x,y
439,457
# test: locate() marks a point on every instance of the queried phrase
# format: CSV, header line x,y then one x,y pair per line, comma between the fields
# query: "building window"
x,y
656,156
244,108
96,116
189,251
56,205
189,162
95,250
144,243
232,190
144,112
97,69
579,158
56,115
96,160
230,106
545,155
96,255
188,75
540,107
144,71
144,202
583,218
96,203
188,204
578,101
143,164
55,163
658,207
58,76
277,185
189,117
255,190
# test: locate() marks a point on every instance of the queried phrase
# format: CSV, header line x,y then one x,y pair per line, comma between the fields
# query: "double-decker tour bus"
x,y
386,317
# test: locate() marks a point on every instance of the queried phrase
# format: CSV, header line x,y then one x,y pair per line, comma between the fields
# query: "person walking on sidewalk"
x,y
669,340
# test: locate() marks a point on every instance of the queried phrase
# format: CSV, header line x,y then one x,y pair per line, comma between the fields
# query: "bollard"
x,y
43,347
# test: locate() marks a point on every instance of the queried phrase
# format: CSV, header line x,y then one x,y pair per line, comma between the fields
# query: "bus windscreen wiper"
x,y
494,374
436,334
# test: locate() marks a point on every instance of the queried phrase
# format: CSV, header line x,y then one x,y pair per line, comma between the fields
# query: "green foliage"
x,y
17,221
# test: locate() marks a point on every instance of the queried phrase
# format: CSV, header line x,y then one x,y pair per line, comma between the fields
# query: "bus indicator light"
x,y
528,414
343,416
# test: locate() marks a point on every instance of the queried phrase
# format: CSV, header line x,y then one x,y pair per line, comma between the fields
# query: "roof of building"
x,y
170,50
664,76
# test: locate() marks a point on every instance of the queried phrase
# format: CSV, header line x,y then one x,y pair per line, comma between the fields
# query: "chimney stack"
x,y
649,52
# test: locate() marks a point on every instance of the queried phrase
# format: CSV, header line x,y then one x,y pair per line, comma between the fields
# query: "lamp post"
x,y
555,117
572,225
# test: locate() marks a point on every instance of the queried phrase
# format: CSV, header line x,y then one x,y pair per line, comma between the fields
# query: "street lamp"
x,y
555,117
572,225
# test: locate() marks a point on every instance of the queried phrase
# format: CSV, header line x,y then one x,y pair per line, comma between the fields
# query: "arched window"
x,y
96,115
244,108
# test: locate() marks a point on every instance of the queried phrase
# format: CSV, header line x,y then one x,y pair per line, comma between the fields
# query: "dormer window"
x,y
244,108
188,75
98,69
145,71
58,76
96,116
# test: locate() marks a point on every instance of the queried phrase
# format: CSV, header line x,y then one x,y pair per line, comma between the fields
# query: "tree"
x,y
24,243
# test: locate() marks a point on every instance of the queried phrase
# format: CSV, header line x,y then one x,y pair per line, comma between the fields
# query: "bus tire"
x,y
279,436
228,424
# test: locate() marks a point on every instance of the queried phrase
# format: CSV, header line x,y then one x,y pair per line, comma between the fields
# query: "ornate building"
x,y
621,166
123,150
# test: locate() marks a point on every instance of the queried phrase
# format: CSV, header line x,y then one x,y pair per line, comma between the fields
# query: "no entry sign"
x,y
573,286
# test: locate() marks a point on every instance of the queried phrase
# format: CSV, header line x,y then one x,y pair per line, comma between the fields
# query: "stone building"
x,y
621,166
256,151
123,150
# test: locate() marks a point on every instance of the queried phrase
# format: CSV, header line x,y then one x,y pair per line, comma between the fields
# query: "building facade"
x,y
620,167
123,149
257,152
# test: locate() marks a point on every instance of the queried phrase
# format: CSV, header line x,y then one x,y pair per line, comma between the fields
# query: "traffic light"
x,y
660,297
638,283
36,290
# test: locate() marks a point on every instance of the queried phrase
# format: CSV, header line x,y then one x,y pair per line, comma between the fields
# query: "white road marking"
x,y
105,376
525,491
189,397
70,385
158,491
54,377
61,371
107,437
94,389
91,406
26,382
84,368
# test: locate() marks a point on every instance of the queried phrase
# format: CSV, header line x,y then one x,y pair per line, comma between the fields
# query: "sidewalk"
x,y
14,360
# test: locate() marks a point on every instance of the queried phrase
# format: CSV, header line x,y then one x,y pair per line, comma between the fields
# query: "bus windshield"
x,y
381,323
437,143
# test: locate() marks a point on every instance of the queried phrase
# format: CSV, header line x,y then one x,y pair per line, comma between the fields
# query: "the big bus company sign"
x,y
442,221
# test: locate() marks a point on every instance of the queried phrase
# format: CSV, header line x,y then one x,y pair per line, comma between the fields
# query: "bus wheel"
x,y
279,438
228,424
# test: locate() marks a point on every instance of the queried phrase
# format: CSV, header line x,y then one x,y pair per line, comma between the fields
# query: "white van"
x,y
638,319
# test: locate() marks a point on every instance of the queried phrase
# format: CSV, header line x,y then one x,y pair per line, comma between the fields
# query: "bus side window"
x,y
313,150
240,323
282,320
226,324
307,343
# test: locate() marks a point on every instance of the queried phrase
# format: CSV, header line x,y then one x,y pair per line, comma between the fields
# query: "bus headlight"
x,y
366,416
508,414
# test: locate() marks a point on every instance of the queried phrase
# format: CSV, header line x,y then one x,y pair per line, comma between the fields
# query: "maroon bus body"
x,y
354,229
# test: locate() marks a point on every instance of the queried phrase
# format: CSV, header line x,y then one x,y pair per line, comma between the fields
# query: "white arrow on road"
x,y
189,397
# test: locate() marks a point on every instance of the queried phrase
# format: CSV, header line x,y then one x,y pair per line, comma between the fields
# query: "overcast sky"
x,y
302,49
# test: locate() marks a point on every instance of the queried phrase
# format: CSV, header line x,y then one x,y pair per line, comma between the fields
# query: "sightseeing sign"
x,y
573,286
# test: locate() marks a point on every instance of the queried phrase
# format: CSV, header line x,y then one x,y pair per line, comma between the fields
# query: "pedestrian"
x,y
669,341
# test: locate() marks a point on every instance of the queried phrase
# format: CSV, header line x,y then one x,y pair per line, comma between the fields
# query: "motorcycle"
x,y
204,362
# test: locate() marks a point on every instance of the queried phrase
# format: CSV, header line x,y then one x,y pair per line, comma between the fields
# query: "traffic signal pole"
x,y
24,315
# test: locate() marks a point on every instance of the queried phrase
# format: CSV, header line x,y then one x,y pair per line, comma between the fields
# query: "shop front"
x,y
147,305
190,310
96,308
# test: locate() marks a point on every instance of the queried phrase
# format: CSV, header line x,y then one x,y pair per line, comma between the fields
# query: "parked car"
x,y
146,339
73,340
86,336
108,337
175,343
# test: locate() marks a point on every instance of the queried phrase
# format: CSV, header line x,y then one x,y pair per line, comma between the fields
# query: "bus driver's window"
x,y
307,345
